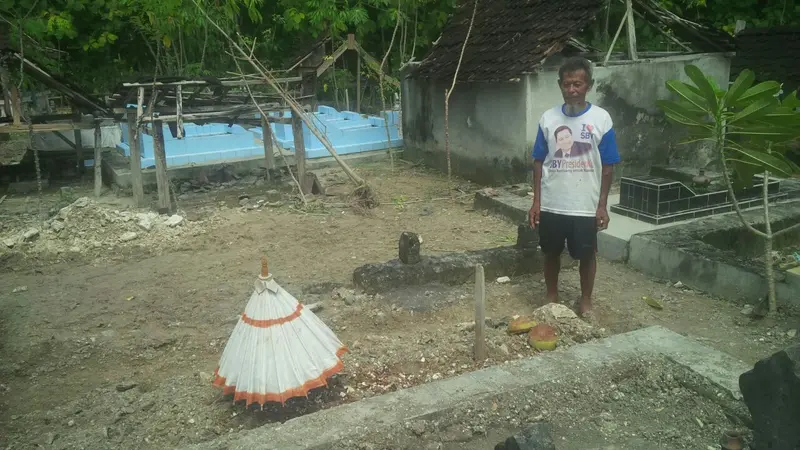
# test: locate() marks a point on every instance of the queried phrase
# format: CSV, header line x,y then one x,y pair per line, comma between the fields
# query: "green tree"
x,y
750,131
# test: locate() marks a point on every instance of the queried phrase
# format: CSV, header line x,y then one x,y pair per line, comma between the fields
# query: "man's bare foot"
x,y
551,298
584,307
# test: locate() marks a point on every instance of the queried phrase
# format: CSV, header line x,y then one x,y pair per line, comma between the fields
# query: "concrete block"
x,y
611,247
771,391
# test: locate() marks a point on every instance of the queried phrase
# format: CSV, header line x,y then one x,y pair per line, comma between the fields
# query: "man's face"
x,y
564,140
574,86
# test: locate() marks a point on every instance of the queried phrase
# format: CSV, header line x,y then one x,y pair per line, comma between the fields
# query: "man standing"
x,y
571,178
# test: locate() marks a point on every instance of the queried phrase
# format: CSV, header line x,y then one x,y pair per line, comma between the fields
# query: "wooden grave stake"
x,y
98,159
162,182
79,150
179,110
480,314
134,142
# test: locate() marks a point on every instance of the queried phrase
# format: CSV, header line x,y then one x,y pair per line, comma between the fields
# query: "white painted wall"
x,y
111,135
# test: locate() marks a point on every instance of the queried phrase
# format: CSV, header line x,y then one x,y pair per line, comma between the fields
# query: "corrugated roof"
x,y
509,38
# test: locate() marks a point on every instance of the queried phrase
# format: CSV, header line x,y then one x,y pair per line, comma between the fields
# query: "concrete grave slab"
x,y
325,428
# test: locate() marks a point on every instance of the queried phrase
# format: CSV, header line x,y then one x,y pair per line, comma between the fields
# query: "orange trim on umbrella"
x,y
266,323
280,397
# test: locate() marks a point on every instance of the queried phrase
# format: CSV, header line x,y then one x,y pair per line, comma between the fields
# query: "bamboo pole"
x,y
631,30
614,41
291,103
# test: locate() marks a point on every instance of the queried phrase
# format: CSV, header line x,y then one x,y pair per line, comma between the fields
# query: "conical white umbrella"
x,y
278,349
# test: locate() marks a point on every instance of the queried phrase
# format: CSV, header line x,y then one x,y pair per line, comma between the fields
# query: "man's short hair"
x,y
574,64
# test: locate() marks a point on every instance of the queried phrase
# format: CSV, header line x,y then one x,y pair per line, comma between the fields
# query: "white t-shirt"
x,y
573,150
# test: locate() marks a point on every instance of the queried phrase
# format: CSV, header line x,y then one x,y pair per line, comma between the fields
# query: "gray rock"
x,y
128,236
534,437
57,226
126,386
273,196
30,234
173,221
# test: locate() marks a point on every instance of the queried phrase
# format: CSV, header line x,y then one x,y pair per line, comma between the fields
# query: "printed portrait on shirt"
x,y
567,146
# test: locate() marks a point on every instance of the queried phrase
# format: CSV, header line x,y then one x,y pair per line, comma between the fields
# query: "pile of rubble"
x,y
85,225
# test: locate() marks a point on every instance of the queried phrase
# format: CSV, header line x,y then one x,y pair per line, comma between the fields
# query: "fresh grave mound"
x,y
634,403
85,226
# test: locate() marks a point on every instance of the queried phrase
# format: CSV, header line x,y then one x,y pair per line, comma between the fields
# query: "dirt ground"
x,y
110,340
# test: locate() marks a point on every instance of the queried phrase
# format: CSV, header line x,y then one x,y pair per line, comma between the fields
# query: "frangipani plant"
x,y
749,129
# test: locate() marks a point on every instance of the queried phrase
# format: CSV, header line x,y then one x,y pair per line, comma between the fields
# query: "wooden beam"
x,y
299,150
134,142
42,127
98,160
227,83
65,139
329,62
376,66
351,41
162,182
269,151
672,38
631,30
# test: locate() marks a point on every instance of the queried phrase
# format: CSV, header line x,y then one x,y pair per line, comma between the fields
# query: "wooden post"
x,y
161,168
179,110
140,103
269,151
98,159
631,31
136,160
16,105
480,314
299,150
79,150
358,84
347,99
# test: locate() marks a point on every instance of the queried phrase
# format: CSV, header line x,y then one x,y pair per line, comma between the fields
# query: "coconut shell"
x,y
543,337
521,325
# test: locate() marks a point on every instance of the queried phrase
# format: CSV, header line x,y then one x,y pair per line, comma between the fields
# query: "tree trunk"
x,y
768,263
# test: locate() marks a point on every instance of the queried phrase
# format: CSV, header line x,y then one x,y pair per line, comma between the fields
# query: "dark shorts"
x,y
580,234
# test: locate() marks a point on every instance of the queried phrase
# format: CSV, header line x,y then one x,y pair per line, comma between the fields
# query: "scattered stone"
x,y
273,196
409,248
49,438
145,221
554,312
314,307
19,289
771,391
244,201
30,234
57,226
678,285
71,423
81,202
791,334
534,437
504,349
173,221
417,427
126,386
568,325
747,310
129,236
502,280
10,242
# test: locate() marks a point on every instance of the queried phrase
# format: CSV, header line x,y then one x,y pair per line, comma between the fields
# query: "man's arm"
x,y
605,184
540,151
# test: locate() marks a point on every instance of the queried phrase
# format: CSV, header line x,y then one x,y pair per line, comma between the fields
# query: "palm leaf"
x,y
761,90
765,160
706,89
683,90
739,87
756,109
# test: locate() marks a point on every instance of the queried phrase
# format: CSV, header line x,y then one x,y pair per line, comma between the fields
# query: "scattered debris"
x,y
570,328
502,280
19,289
678,285
534,437
314,307
30,234
747,310
173,221
791,333
126,386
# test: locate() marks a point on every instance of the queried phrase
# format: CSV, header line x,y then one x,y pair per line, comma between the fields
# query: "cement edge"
x,y
320,428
